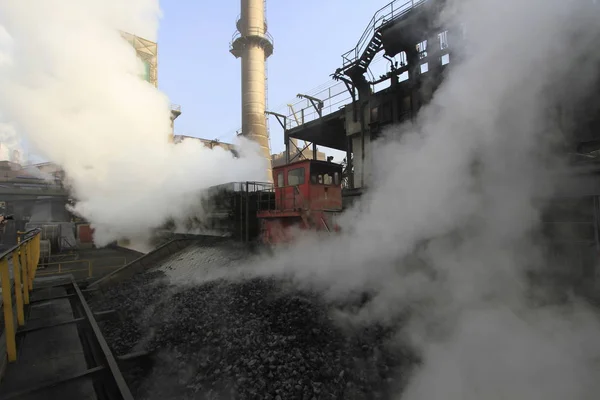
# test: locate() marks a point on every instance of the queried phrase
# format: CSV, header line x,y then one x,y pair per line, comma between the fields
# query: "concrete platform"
x,y
49,354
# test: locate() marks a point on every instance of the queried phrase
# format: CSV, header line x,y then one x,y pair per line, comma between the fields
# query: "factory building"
x,y
418,52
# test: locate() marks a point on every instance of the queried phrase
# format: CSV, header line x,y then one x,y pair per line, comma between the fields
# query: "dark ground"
x,y
248,340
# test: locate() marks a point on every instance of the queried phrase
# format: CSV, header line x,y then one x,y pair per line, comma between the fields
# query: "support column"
x,y
414,70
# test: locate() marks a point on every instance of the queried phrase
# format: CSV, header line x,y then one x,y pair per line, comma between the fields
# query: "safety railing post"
x,y
31,272
27,264
24,268
18,288
36,250
9,327
34,262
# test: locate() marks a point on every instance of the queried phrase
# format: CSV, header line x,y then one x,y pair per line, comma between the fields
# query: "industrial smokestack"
x,y
253,44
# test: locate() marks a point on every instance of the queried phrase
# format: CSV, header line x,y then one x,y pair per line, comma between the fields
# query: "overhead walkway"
x,y
51,346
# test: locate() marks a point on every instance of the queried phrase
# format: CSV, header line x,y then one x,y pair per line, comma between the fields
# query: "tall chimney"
x,y
253,45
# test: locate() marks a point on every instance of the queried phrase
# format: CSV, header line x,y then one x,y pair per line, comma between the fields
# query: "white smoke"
x,y
11,147
445,234
71,85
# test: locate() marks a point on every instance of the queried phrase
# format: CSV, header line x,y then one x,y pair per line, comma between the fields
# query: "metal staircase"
x,y
357,61
373,48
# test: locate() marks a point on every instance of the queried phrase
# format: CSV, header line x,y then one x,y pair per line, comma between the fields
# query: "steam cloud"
x,y
71,85
444,241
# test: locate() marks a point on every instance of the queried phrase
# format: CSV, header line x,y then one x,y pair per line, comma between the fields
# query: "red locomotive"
x,y
308,195
305,195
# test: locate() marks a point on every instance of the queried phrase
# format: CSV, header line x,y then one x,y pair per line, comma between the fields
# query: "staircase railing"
x,y
384,15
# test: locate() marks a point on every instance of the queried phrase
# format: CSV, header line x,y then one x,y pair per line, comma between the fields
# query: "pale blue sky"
x,y
197,71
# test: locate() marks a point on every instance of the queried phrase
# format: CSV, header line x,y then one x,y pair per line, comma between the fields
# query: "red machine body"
x,y
308,195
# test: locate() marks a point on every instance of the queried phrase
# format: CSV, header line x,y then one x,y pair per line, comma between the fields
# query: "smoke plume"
x,y
71,85
444,240
10,144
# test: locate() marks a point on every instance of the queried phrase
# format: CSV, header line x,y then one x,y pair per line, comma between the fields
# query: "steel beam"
x,y
64,296
52,384
107,354
50,326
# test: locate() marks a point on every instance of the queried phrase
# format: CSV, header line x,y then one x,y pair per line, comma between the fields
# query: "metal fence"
x,y
18,267
84,268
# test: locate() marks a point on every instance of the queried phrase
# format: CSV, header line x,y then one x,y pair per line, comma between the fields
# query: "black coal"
x,y
246,340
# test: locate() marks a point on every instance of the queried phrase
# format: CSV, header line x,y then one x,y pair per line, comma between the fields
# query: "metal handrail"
x,y
90,266
297,199
24,257
333,97
384,15
252,32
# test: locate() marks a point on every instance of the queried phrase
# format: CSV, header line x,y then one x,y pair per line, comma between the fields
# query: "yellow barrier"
x,y
90,266
24,258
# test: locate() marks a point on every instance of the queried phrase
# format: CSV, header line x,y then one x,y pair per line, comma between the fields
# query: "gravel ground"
x,y
247,340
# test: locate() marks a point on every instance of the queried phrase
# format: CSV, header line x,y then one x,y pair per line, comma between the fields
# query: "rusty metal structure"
x,y
253,44
147,52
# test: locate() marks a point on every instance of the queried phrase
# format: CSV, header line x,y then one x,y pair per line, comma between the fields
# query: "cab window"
x,y
324,175
295,176
280,179
336,179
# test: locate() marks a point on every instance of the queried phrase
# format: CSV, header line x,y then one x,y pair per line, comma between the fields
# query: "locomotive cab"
x,y
308,185
308,195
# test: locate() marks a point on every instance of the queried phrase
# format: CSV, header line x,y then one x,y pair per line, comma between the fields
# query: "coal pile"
x,y
132,299
249,340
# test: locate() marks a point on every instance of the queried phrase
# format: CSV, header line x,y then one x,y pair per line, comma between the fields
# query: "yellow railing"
x,y
89,267
24,258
